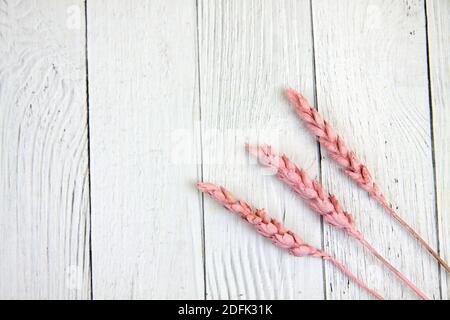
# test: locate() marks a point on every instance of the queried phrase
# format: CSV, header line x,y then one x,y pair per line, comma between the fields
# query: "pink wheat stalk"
x,y
274,230
347,159
319,200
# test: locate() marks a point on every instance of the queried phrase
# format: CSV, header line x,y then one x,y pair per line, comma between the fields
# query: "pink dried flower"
x,y
351,165
319,200
274,230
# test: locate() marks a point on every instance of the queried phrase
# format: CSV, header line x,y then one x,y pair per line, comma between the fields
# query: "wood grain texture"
x,y
438,14
144,113
372,86
175,90
44,208
249,52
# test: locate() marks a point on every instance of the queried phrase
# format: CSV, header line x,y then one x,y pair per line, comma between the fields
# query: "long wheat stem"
x,y
351,165
341,267
274,230
319,200
394,270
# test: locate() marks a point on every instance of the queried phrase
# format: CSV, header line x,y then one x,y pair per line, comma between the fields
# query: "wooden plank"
x,y
438,19
143,89
249,52
372,86
44,203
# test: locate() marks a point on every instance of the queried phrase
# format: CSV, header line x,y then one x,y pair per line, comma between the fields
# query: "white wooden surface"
x,y
173,89
247,56
438,13
143,102
372,85
44,198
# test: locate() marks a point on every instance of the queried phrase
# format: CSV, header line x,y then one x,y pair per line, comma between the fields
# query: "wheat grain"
x,y
351,165
319,200
274,230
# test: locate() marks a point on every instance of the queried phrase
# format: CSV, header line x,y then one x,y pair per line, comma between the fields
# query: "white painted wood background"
x,y
110,111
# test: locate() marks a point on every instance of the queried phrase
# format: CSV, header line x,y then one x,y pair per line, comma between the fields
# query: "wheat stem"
x,y
352,276
393,269
425,244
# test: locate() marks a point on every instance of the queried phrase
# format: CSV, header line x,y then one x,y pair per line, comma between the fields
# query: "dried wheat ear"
x,y
347,159
320,201
274,230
